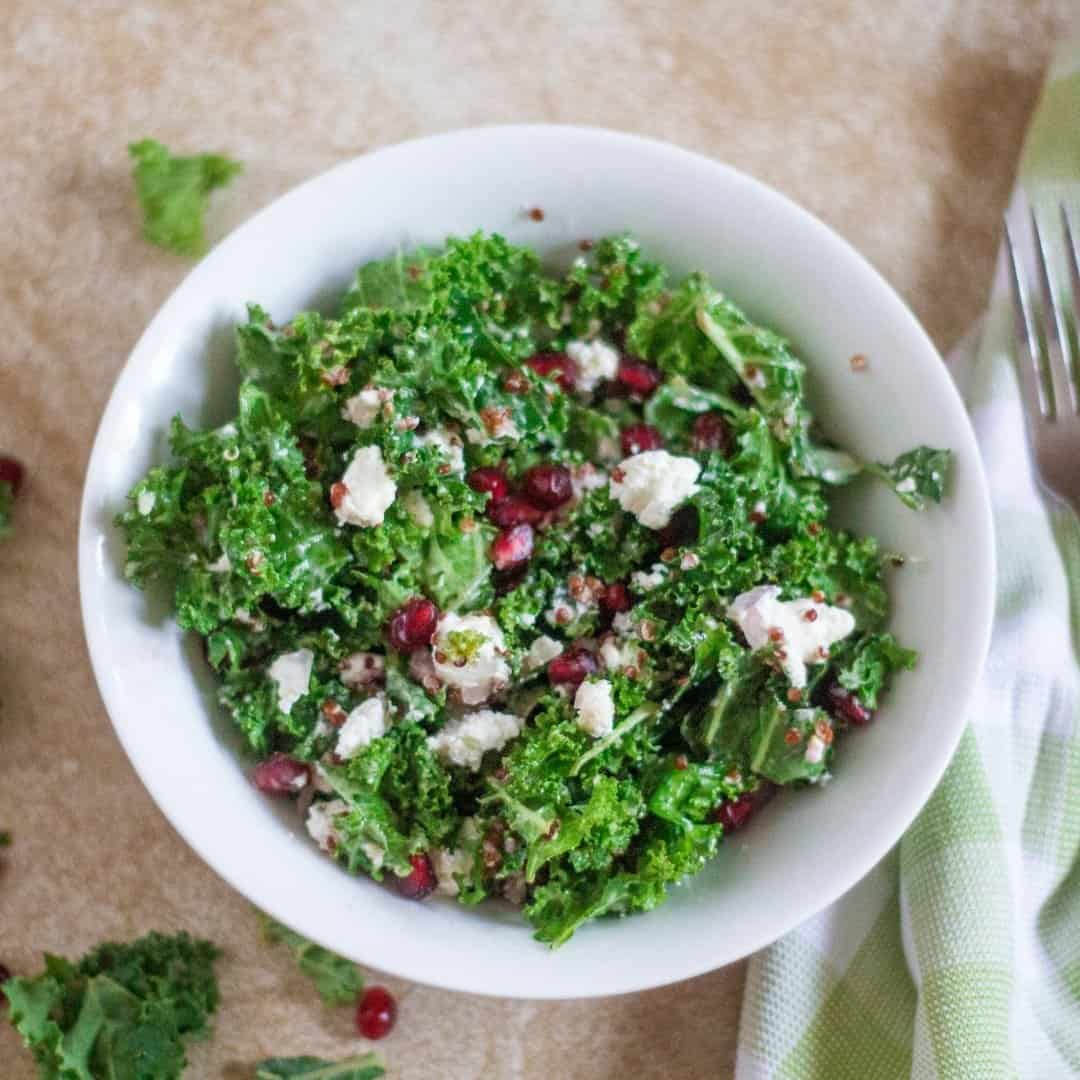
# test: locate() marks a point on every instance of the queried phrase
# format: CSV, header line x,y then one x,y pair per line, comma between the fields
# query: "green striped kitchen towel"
x,y
959,955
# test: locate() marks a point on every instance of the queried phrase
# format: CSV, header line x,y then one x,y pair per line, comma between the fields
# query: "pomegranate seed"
x,y
412,626
338,492
615,598
514,510
710,432
681,530
638,438
681,762
491,480
572,667
547,485
420,881
844,705
376,1012
512,547
733,814
11,472
558,365
638,377
280,774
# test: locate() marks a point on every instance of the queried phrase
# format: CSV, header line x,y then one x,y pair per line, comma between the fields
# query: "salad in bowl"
x,y
522,584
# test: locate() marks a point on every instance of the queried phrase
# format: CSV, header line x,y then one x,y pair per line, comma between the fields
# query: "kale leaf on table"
x,y
358,1067
123,1011
338,980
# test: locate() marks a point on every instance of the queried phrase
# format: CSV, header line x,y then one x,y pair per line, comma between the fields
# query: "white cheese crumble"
x,y
364,724
375,853
363,409
448,444
645,581
482,672
446,864
292,673
653,484
465,741
320,822
369,489
801,631
541,652
501,427
361,669
220,566
146,502
815,750
419,509
596,361
616,656
595,709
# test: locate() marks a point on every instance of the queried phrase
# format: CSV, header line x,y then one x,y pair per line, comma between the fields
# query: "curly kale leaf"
x,y
123,1010
357,1067
173,193
338,980
401,282
867,668
917,476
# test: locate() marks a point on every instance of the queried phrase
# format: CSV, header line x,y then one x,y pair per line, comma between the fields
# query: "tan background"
x,y
899,123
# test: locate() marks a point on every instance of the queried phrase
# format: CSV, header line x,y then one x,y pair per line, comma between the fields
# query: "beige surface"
x,y
899,124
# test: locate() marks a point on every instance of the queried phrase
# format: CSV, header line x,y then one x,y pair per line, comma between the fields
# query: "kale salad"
x,y
522,585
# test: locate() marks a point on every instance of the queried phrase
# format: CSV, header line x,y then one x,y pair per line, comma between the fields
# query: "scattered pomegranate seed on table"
x,y
572,668
548,485
490,480
638,438
376,1012
412,626
280,774
11,472
558,364
420,881
513,547
514,510
638,377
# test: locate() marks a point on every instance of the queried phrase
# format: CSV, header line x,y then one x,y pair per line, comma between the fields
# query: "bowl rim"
x,y
907,802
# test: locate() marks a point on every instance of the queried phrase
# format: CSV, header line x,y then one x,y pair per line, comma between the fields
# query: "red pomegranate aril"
x,y
573,667
638,377
490,480
513,547
710,432
412,626
638,438
11,472
681,530
420,880
846,706
735,813
557,364
280,774
514,510
376,1012
615,598
548,486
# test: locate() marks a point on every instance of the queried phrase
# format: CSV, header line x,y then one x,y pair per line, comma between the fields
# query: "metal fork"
x,y
1047,360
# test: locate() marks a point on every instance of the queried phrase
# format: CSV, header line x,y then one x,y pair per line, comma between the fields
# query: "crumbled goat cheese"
x,y
543,650
644,582
365,723
369,489
320,822
448,444
360,669
419,509
479,675
801,631
815,750
651,485
292,673
446,864
465,741
596,361
363,409
594,708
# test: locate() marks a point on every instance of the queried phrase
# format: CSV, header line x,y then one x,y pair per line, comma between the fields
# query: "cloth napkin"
x,y
958,956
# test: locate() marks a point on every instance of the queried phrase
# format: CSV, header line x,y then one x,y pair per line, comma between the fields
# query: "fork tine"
x,y
1072,260
1058,352
1027,338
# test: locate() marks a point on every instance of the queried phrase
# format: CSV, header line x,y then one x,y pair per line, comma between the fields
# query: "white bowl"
x,y
789,271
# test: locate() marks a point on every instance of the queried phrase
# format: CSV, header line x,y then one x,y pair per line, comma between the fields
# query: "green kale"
x,y
866,668
357,1067
338,980
918,475
173,193
123,1010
